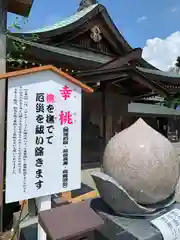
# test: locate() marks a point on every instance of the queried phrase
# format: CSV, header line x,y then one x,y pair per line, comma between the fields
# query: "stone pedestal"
x,y
122,228
75,221
114,227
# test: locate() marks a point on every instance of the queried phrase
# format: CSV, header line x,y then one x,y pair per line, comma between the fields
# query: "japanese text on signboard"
x,y
45,121
65,119
43,156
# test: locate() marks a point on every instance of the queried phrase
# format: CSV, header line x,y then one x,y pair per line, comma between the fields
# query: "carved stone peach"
x,y
143,162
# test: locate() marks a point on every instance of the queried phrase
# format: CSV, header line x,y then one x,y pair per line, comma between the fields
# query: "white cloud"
x,y
142,18
162,53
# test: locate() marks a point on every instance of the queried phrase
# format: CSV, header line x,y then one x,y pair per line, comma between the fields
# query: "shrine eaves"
x,y
20,7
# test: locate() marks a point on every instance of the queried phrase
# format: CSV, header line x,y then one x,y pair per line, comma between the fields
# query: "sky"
x,y
152,25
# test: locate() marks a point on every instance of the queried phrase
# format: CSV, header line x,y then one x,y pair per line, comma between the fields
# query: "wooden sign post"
x,y
21,7
3,22
43,155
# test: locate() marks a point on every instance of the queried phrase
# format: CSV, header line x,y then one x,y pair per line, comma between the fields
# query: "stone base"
x,y
28,226
125,228
29,233
114,228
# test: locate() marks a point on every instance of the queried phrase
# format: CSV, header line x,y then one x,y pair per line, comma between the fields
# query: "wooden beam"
x,y
78,31
109,77
20,7
67,196
119,40
140,78
123,89
103,71
121,79
119,62
108,115
113,44
89,195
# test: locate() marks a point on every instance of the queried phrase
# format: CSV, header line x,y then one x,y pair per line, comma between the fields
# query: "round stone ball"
x,y
143,162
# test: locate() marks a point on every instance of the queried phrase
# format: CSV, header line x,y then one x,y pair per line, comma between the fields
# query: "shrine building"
x,y
88,46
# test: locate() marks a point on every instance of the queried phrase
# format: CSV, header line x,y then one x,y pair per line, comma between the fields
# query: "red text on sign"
x,y
65,118
50,98
65,92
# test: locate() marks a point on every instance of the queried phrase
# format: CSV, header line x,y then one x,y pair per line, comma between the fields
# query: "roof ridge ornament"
x,y
86,3
95,34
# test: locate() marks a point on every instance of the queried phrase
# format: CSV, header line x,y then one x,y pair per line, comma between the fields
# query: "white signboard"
x,y
43,154
169,225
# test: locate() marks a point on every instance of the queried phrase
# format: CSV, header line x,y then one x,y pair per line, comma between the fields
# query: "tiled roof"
x,y
151,109
90,56
154,98
159,72
75,17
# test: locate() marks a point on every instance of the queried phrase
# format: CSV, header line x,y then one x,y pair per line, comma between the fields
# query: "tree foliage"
x,y
174,101
177,64
176,67
16,49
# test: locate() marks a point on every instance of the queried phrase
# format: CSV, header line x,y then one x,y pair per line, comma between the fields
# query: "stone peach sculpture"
x,y
143,165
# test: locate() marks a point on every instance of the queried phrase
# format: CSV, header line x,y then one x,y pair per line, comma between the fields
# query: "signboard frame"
x,y
38,71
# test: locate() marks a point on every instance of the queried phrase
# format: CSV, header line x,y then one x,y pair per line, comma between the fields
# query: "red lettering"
x,y
65,118
65,92
50,98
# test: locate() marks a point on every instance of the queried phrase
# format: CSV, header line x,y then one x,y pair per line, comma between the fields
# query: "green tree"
x,y
176,67
177,64
174,101
16,49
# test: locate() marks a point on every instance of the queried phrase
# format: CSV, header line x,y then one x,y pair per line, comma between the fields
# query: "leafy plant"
x,y
173,101
16,49
177,64
176,67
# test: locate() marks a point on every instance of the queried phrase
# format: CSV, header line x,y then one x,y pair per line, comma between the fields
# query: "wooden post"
x,y
3,22
66,195
108,114
104,113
